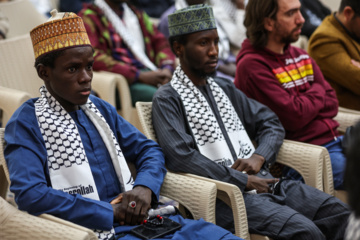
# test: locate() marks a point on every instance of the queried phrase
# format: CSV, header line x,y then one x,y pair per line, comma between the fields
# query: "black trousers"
x,y
297,212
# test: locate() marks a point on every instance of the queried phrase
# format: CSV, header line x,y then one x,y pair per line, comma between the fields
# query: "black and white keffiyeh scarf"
x,y
205,128
68,166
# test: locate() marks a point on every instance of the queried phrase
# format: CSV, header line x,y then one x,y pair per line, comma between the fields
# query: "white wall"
x,y
332,4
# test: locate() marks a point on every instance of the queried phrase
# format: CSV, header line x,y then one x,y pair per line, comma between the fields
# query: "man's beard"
x,y
203,74
291,38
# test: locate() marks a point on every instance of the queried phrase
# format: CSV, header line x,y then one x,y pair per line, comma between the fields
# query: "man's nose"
x,y
300,19
213,49
86,75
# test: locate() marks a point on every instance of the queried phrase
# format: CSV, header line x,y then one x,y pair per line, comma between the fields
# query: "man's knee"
x,y
300,227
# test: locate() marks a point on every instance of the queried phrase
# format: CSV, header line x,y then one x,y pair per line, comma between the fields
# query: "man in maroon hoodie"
x,y
287,80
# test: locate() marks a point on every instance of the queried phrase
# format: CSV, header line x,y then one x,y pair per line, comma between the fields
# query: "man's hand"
x,y
261,185
124,214
251,165
155,78
355,63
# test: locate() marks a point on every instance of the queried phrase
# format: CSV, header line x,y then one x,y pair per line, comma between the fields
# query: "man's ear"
x,y
269,24
349,13
178,49
43,72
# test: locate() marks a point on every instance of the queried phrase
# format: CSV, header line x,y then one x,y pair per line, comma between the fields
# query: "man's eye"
x,y
291,13
89,67
203,43
72,69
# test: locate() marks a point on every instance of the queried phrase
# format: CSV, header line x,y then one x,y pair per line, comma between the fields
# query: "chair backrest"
x,y
106,84
346,118
17,69
23,17
144,110
10,100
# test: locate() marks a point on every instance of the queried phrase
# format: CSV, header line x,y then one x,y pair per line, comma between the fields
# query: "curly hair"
x,y
255,13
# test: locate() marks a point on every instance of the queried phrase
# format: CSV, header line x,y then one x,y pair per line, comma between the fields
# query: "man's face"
x,y
70,80
199,55
354,25
288,23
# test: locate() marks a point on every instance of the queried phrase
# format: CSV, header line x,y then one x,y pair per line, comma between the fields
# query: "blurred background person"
x,y
335,46
313,12
126,42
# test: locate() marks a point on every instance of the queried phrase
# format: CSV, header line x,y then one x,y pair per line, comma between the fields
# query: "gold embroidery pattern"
x,y
58,34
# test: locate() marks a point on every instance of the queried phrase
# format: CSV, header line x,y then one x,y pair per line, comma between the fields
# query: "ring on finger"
x,y
132,204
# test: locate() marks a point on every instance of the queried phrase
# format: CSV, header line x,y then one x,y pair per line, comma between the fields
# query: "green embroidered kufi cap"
x,y
194,18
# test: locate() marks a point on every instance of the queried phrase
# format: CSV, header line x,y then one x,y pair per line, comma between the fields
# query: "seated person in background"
x,y
230,15
352,179
287,80
67,151
126,42
226,65
313,12
205,127
72,5
153,8
4,25
335,46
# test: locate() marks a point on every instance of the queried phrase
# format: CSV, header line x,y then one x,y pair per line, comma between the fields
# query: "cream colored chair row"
x,y
195,195
309,160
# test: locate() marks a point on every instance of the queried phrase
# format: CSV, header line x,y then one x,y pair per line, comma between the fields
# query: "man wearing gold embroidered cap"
x,y
67,151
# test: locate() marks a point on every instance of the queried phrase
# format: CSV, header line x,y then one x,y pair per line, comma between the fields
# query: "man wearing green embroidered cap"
x,y
206,126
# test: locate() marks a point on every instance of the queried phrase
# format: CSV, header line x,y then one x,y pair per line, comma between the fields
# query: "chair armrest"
x,y
16,224
198,196
348,110
10,100
311,161
346,118
85,231
232,196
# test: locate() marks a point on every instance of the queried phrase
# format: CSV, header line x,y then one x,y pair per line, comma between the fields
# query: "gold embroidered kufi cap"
x,y
62,30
